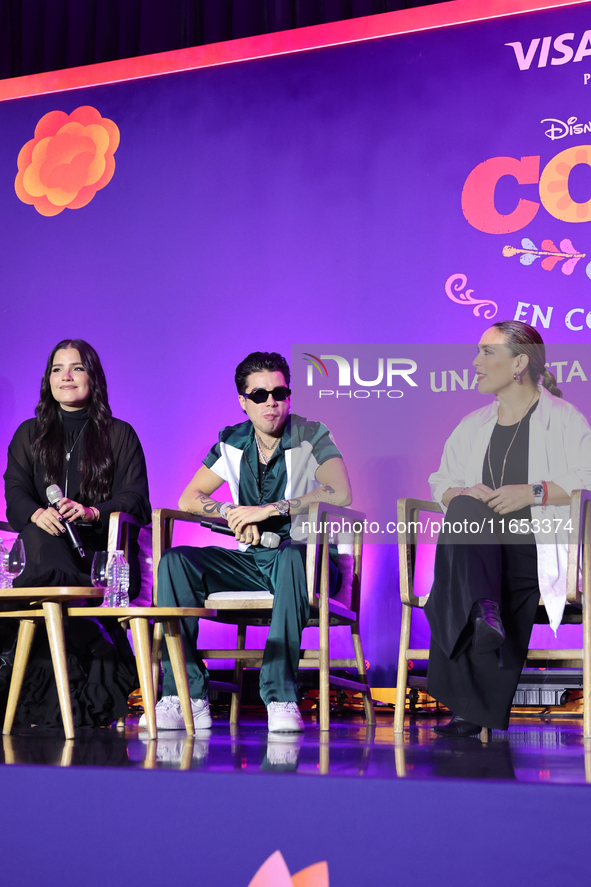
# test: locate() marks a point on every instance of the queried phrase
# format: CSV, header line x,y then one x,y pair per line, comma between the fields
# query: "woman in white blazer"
x,y
505,480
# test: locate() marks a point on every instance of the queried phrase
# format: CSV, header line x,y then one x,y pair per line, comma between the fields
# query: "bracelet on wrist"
x,y
545,499
96,515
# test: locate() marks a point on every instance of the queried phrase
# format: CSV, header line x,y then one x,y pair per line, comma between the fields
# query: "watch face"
x,y
538,491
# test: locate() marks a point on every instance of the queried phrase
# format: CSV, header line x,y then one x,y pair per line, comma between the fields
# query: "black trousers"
x,y
479,687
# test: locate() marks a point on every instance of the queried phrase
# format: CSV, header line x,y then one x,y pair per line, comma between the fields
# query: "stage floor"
x,y
531,751
112,806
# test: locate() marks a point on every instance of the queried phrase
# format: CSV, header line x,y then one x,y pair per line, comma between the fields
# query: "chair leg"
x,y
187,756
370,715
324,755
174,645
67,753
399,756
324,657
141,645
586,667
10,757
26,633
156,644
57,644
402,669
238,673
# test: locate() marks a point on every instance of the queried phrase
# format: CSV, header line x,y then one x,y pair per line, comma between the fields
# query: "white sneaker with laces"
x,y
284,717
170,717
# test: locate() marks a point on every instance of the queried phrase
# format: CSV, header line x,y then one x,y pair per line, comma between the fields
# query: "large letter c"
x,y
478,194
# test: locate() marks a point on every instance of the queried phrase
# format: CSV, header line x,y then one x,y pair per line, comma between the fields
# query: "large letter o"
x,y
478,194
554,192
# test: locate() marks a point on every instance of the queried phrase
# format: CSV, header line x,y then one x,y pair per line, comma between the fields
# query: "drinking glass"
x,y
99,574
13,563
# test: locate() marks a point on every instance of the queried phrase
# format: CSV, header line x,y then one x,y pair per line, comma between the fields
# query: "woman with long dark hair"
x,y
98,463
508,469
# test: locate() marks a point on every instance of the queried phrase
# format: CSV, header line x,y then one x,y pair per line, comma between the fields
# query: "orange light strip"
x,y
371,27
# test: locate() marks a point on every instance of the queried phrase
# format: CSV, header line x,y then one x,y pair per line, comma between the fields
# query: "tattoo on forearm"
x,y
322,492
209,505
297,506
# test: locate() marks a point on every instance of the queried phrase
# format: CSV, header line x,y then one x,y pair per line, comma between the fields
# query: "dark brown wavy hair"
x,y
525,339
48,440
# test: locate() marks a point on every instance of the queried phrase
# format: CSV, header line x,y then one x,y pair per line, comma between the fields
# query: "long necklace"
x,y
508,448
70,451
69,454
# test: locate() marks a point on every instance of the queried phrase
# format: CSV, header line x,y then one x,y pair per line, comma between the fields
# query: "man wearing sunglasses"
x,y
276,465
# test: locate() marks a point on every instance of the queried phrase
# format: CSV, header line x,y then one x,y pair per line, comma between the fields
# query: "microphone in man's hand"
x,y
268,539
54,494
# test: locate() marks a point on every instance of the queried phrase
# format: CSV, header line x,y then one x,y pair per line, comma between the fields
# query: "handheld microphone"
x,y
268,539
54,494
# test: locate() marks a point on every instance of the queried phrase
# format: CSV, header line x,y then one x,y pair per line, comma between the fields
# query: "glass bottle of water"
x,y
118,587
3,565
111,598
123,581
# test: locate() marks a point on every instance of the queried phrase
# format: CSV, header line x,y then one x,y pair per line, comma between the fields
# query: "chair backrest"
x,y
409,514
163,520
579,546
325,519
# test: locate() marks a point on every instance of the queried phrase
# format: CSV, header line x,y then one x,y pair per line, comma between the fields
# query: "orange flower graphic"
x,y
68,161
274,873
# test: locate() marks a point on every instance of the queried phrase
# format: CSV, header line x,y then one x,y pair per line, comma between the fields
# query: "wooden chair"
x,y
244,608
50,602
578,595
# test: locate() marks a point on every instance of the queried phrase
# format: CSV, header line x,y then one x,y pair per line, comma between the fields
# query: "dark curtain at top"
x,y
46,35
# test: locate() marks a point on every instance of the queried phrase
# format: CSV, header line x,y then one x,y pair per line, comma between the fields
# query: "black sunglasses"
x,y
261,395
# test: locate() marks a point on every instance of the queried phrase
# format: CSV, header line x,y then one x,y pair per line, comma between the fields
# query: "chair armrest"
x,y
579,546
162,529
119,523
408,515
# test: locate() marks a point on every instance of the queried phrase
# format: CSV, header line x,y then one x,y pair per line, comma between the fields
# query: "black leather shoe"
x,y
457,727
489,633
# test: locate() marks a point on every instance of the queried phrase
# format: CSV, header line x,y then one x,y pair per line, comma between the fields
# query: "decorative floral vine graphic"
x,y
68,161
454,286
274,873
552,255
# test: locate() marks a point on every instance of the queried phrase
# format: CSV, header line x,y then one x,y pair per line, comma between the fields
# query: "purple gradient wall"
x,y
313,196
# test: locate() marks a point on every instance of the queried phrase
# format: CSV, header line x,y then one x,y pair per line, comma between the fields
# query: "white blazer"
x,y
559,451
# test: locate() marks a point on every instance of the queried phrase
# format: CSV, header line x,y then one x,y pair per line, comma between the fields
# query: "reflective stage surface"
x,y
531,751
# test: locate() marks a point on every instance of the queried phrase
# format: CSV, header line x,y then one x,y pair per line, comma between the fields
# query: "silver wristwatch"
x,y
538,493
223,508
282,507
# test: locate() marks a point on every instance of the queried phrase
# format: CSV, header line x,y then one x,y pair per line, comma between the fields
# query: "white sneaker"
x,y
170,717
171,748
284,717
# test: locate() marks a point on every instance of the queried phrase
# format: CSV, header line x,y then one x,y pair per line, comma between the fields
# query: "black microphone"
x,y
54,494
268,539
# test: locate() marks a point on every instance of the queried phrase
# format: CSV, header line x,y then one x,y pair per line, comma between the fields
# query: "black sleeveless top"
x,y
516,466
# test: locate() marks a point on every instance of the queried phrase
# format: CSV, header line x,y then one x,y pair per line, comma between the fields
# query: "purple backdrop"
x,y
313,196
